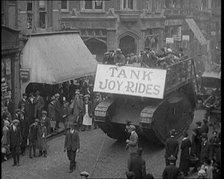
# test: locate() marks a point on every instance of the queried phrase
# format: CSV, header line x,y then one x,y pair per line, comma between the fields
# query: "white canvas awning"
x,y
57,57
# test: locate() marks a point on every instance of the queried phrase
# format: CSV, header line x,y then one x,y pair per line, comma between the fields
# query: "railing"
x,y
178,75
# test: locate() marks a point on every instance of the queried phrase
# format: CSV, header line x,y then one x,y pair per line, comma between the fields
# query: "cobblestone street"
x,y
112,160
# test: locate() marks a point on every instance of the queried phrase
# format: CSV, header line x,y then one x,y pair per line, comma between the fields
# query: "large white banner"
x,y
134,81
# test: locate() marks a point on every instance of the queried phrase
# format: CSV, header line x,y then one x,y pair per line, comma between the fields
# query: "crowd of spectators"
x,y
38,116
161,58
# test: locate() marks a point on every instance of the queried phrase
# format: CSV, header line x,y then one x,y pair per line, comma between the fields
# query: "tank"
x,y
153,118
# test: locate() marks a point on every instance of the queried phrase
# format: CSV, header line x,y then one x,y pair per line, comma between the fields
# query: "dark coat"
x,y
137,166
204,151
72,141
39,105
30,112
33,132
170,172
15,137
58,111
205,128
196,142
42,138
119,59
47,124
172,147
185,155
214,145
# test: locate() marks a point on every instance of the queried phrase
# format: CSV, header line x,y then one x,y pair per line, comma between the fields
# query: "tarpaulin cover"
x,y
57,58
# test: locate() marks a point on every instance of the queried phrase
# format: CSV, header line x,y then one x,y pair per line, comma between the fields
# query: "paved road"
x,y
100,155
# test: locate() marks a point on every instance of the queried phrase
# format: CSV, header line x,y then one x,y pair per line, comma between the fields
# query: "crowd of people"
x,y
161,58
201,153
34,120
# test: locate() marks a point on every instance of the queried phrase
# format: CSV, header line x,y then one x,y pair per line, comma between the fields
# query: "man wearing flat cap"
x,y
132,142
171,146
72,145
171,171
15,141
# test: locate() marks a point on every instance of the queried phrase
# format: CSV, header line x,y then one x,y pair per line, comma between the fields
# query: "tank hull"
x,y
175,111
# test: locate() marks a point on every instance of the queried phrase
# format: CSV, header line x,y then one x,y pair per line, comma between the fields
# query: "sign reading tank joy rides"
x,y
144,82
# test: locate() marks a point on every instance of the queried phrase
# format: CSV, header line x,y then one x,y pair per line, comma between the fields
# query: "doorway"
x,y
128,45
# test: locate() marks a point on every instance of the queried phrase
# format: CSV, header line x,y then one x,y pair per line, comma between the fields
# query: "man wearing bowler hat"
x,y
39,104
72,145
15,141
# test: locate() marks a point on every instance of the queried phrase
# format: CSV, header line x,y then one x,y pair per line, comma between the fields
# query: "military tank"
x,y
153,117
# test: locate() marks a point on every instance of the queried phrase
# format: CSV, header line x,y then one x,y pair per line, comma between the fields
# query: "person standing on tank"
x,y
171,147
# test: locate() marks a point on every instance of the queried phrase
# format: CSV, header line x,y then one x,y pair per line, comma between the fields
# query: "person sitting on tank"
x,y
119,58
106,57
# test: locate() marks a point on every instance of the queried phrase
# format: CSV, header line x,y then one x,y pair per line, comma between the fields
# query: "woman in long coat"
x,y
185,154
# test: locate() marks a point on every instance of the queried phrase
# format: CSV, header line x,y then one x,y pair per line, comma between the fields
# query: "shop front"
x,y
10,82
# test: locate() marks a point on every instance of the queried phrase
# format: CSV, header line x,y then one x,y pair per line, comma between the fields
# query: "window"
x,y
29,6
128,4
29,15
64,4
93,5
42,14
149,5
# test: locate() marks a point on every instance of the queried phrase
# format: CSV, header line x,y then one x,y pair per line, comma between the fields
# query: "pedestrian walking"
x,y
171,147
42,138
185,154
171,171
66,111
5,139
72,146
87,118
132,142
137,165
39,105
32,137
15,141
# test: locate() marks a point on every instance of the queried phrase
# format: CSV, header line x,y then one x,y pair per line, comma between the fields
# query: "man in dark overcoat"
x,y
58,111
39,105
24,102
72,145
196,140
185,154
137,165
171,171
24,128
30,110
33,132
214,144
15,141
119,58
171,147
204,148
